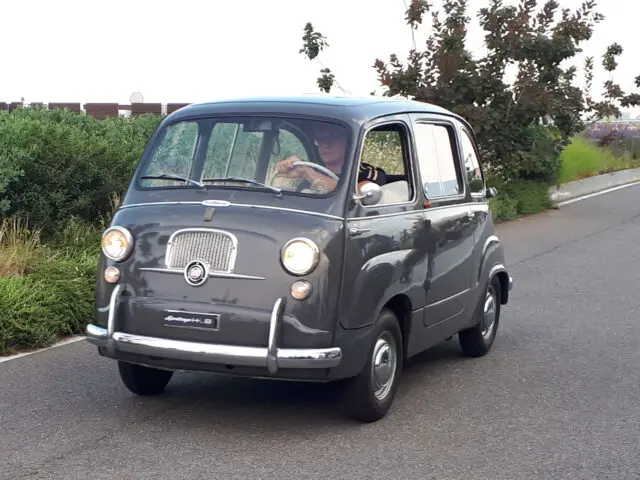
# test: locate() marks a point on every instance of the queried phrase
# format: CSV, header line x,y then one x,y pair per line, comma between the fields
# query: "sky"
x,y
201,50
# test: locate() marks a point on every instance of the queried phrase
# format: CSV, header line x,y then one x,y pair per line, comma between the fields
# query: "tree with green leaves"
x,y
521,126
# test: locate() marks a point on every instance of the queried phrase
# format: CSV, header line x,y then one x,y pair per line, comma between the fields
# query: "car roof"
x,y
347,108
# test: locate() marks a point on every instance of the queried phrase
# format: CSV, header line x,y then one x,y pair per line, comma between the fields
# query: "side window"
x,y
471,164
384,156
437,160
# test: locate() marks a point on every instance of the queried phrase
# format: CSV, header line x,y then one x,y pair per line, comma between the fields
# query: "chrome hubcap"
x,y
489,313
384,365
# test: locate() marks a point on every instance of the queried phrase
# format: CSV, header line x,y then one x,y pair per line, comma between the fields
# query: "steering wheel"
x,y
320,168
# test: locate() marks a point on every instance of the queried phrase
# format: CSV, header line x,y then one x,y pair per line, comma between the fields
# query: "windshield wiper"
x,y
169,176
275,190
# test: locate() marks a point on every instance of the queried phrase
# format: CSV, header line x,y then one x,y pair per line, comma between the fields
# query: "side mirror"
x,y
492,192
370,194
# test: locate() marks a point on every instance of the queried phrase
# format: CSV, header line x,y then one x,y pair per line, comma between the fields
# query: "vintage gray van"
x,y
310,238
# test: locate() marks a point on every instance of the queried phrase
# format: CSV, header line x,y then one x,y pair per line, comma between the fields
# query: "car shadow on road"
x,y
194,398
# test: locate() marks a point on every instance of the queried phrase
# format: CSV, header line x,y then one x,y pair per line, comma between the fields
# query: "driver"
x,y
332,145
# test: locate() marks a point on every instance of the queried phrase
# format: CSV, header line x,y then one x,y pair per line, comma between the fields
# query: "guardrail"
x,y
102,110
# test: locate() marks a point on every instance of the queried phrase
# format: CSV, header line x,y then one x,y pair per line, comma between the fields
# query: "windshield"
x,y
295,156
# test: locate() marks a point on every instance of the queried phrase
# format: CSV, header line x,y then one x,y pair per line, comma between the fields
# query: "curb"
x,y
586,186
29,351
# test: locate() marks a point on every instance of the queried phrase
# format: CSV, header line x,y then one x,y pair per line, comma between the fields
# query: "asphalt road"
x,y
557,398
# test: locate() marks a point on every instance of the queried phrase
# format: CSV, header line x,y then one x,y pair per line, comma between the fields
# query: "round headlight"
x,y
117,243
300,256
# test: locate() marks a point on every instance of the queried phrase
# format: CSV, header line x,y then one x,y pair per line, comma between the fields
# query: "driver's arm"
x,y
319,180
316,178
369,173
366,174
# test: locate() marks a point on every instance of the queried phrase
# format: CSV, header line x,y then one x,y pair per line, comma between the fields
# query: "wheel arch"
x,y
492,260
499,271
401,306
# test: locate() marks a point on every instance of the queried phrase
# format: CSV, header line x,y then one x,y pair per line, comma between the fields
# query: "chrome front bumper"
x,y
271,356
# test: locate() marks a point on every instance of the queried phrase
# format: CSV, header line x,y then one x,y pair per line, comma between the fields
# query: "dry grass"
x,y
18,247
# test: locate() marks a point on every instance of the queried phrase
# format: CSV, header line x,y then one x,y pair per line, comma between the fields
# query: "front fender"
x,y
380,279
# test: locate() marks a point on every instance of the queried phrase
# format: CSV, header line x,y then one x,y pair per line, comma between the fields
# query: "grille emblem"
x,y
196,273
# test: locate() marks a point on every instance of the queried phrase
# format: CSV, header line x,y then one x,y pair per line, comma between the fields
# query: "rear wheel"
x,y
369,395
144,380
478,340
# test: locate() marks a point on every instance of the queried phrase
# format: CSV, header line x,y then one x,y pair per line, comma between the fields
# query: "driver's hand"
x,y
286,166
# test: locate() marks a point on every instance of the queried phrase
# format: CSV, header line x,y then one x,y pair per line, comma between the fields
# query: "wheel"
x,y
478,340
369,395
144,380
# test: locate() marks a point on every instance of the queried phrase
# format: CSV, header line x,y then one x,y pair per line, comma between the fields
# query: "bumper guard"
x,y
271,356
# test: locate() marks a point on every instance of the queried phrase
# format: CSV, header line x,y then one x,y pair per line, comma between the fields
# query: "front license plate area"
x,y
191,320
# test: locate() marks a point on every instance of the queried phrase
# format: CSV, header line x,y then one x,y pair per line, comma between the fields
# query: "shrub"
x,y
503,208
50,293
530,196
540,161
518,197
56,299
56,164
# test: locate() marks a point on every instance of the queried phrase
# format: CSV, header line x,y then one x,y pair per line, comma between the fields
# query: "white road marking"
x,y
601,192
61,343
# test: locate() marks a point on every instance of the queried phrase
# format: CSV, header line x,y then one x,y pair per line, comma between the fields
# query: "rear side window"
x,y
471,164
437,160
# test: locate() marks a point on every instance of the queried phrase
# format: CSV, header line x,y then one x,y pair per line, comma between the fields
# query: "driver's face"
x,y
332,145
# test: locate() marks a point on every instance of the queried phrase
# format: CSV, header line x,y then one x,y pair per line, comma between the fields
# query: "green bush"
x,y
530,196
503,208
539,160
56,164
55,299
518,197
46,291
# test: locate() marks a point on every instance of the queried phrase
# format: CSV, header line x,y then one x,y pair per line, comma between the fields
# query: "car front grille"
x,y
213,246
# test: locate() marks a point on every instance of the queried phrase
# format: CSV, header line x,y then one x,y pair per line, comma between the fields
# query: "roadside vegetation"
x,y
60,177
524,126
604,148
61,173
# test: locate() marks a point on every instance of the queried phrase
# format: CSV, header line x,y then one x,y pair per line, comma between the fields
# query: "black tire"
x,y
360,401
142,380
478,340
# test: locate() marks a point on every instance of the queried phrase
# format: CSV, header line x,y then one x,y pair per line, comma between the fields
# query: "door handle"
x,y
355,231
